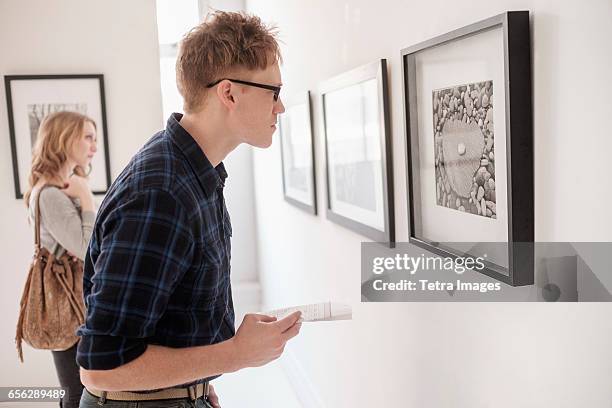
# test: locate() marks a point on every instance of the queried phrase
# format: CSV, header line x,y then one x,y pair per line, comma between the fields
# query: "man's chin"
x,y
262,144
266,144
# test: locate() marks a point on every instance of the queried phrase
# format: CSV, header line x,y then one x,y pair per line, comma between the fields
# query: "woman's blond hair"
x,y
57,134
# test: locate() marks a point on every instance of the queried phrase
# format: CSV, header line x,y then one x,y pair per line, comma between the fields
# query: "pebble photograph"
x,y
464,144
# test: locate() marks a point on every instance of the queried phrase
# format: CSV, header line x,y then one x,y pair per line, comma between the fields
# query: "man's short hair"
x,y
223,42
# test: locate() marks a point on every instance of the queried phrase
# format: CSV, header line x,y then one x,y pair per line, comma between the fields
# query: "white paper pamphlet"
x,y
316,312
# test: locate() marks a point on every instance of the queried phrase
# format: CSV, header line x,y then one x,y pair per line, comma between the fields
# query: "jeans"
x,y
68,375
91,401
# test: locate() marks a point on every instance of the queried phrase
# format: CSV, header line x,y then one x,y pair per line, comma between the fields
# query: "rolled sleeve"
x,y
139,252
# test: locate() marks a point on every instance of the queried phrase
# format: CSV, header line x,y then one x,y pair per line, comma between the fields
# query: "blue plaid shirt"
x,y
158,266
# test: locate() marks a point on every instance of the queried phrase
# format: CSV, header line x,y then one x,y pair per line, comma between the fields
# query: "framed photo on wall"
x,y
469,138
30,98
358,151
297,153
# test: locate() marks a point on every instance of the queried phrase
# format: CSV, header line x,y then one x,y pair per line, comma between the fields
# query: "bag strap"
x,y
26,289
37,218
37,242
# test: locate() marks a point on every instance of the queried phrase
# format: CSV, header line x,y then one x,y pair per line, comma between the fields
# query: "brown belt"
x,y
194,392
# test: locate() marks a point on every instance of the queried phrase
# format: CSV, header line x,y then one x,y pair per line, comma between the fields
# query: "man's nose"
x,y
280,108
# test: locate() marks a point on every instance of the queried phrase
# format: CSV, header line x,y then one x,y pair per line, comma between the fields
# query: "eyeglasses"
x,y
276,89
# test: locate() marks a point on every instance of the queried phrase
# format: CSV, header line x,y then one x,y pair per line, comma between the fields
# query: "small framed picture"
x,y
469,138
297,153
32,97
358,151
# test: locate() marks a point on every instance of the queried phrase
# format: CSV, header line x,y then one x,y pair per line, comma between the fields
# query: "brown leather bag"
x,y
52,306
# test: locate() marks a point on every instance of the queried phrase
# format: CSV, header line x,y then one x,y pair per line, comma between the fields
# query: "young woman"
x,y
62,155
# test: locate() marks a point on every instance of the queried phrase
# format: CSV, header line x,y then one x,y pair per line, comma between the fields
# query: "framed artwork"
x,y
469,138
297,153
358,151
30,98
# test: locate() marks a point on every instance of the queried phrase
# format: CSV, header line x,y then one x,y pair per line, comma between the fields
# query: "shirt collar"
x,y
209,177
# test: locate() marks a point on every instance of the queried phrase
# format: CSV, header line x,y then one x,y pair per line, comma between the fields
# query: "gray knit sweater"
x,y
63,226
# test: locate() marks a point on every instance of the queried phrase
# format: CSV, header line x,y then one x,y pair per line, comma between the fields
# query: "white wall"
x,y
446,354
113,37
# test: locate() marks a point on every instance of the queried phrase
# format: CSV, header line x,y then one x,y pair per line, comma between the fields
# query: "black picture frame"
x,y
289,102
376,70
9,80
519,143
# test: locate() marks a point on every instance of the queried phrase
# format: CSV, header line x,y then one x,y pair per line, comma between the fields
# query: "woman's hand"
x,y
78,187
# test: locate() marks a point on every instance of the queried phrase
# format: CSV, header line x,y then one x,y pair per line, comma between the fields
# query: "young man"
x,y
160,319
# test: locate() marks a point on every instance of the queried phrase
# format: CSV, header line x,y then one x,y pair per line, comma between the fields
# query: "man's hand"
x,y
212,397
261,339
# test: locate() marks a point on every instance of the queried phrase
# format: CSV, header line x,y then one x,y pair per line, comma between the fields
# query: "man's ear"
x,y
225,94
